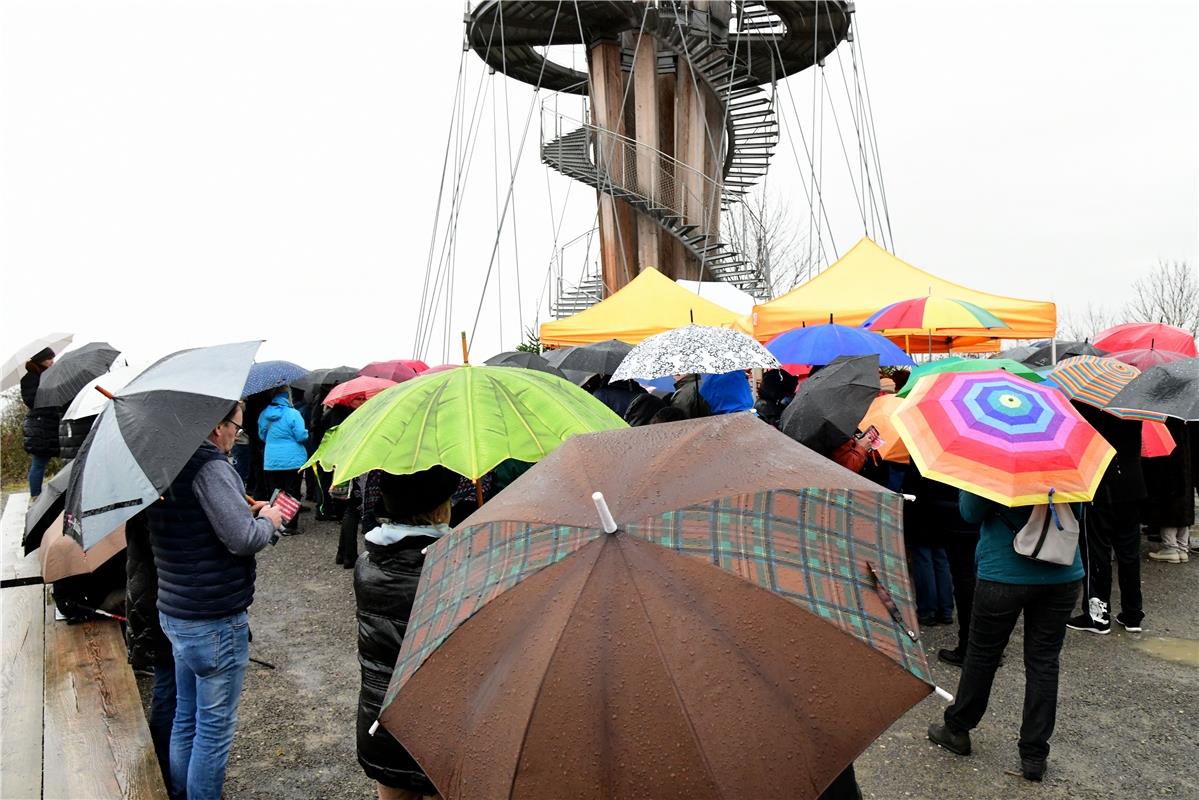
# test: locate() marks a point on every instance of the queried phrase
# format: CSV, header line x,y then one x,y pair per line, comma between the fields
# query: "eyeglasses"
x,y
236,427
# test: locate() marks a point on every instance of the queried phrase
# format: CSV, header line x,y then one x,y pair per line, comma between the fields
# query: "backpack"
x,y
1050,535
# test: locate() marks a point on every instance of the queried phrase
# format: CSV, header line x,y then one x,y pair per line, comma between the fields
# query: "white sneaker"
x,y
1167,555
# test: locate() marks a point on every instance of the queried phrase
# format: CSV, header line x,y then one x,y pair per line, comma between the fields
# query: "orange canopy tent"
x,y
867,278
650,303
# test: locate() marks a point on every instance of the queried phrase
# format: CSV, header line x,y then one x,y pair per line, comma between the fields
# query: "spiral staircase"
x,y
766,40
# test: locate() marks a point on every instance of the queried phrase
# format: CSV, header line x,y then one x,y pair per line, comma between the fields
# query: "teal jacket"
x,y
995,558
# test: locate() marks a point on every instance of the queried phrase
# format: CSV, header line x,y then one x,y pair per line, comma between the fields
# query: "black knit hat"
x,y
417,492
45,354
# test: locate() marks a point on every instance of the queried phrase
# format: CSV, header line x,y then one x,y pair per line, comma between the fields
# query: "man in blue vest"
x,y
204,536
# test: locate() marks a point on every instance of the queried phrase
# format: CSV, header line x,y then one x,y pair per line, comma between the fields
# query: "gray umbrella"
x,y
329,376
601,358
1171,389
71,371
46,508
829,405
1043,355
147,433
520,358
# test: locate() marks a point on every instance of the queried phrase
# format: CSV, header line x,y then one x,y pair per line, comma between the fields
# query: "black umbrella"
x,y
1171,389
329,376
829,405
72,371
1043,355
46,508
1017,353
555,356
144,437
519,358
601,358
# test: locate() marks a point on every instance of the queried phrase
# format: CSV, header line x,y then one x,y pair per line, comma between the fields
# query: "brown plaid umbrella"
x,y
734,638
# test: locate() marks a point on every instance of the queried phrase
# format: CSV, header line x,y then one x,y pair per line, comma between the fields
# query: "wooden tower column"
x,y
617,221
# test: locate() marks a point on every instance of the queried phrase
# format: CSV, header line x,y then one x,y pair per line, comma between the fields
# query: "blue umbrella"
x,y
266,375
820,344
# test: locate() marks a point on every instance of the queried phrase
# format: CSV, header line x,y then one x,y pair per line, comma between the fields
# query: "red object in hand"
x,y
287,504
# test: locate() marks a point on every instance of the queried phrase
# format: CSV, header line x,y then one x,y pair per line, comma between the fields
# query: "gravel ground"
x,y
1126,721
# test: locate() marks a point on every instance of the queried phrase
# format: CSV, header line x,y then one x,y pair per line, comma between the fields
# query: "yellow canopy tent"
x,y
868,278
650,303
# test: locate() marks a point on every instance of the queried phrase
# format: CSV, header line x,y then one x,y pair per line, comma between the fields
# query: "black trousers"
x,y
1108,527
347,540
960,549
287,480
997,606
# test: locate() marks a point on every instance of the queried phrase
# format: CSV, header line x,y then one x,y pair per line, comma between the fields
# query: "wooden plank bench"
x,y
16,568
71,719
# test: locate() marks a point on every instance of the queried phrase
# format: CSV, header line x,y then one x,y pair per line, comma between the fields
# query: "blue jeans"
x,y
934,585
211,656
37,471
162,717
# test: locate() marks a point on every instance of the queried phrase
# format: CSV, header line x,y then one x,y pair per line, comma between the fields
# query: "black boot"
x,y
1032,769
958,743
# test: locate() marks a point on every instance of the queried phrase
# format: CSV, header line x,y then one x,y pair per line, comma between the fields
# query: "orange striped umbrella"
x,y
1095,381
1002,437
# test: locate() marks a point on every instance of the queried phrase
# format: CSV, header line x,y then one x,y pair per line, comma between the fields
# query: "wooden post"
x,y
465,351
645,118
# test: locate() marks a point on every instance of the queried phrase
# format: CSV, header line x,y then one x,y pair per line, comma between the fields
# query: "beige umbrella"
x,y
63,557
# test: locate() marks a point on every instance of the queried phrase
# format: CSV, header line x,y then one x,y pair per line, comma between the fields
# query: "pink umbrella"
x,y
1156,440
441,368
398,371
1141,335
356,390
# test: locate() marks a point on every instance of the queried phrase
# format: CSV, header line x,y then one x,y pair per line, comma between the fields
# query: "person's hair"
x,y
35,366
233,410
900,376
416,498
668,414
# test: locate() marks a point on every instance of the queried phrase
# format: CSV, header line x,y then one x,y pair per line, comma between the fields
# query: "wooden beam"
x,y
97,743
16,568
22,651
618,229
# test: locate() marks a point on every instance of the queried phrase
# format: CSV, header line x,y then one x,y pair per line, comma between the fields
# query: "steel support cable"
x,y
875,216
878,167
495,174
812,157
463,160
799,126
856,124
512,181
515,237
426,320
848,164
445,160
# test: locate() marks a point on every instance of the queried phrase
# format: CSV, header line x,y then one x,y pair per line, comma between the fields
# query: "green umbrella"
x,y
957,364
468,420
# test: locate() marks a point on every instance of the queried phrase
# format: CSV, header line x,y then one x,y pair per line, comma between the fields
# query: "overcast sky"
x,y
179,173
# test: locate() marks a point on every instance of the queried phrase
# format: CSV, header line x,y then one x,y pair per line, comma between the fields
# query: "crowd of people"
x,y
190,566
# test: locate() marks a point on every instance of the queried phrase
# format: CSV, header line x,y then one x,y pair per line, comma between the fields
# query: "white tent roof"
x,y
721,293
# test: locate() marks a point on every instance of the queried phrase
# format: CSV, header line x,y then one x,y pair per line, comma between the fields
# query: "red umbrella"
x,y
1156,440
357,390
1146,335
1145,357
442,368
398,371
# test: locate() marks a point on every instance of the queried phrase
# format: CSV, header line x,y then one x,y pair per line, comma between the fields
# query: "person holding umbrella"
x,y
41,424
204,536
385,583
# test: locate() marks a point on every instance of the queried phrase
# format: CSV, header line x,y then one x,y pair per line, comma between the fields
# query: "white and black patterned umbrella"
x,y
695,348
147,433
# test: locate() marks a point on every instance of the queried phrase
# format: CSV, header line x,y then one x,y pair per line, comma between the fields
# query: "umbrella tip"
x,y
946,696
601,505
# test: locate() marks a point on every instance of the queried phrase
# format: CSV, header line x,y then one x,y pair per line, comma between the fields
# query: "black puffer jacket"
x,y
385,580
71,433
688,399
148,645
40,429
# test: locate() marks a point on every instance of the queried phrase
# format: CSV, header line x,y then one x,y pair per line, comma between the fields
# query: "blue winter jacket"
x,y
281,428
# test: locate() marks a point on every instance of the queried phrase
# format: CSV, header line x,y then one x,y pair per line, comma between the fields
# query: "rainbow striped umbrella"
x,y
1095,381
1001,437
922,314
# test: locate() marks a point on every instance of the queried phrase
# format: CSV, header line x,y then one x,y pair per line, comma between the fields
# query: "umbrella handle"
x,y
889,603
104,392
605,515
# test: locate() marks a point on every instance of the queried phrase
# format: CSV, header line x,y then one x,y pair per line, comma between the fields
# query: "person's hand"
x,y
273,514
257,506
